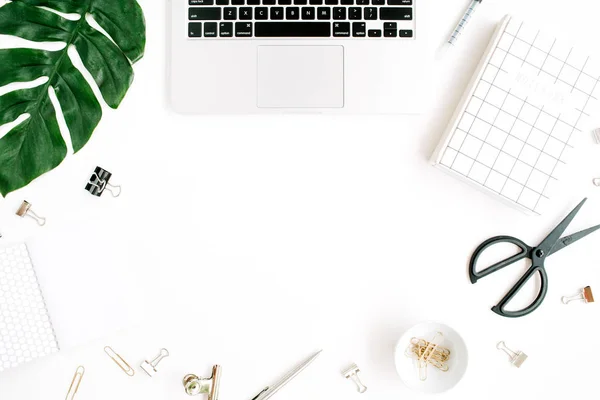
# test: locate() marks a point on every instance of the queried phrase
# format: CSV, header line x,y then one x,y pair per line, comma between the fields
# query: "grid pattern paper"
x,y
515,131
25,329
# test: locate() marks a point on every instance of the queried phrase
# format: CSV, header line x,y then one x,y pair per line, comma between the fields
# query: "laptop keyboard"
x,y
301,19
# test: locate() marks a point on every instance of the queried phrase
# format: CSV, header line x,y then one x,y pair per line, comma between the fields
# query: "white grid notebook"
x,y
512,132
25,329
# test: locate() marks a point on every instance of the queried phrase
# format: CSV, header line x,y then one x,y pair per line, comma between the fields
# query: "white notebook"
x,y
26,331
514,129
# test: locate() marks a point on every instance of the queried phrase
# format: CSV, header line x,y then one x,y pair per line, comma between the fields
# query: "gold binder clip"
x,y
75,383
119,361
25,211
584,295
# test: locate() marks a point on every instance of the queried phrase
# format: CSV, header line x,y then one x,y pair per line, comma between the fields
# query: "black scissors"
x,y
537,255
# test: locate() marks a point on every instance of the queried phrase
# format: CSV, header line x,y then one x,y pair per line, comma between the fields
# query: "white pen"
x,y
269,391
464,21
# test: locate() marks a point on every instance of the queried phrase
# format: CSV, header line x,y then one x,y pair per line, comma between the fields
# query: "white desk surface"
x,y
254,241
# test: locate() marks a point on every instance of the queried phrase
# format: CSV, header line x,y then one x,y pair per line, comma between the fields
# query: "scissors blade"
x,y
552,239
567,240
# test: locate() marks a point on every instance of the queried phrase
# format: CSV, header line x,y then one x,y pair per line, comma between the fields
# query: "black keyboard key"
x,y
293,29
390,25
395,13
210,29
400,2
362,2
323,13
195,29
226,29
406,33
390,33
245,12
243,29
374,32
269,2
253,2
315,2
355,13
230,13
201,2
222,2
300,2
276,12
237,2
205,13
292,13
347,2
284,2
331,2
339,13
308,13
359,29
378,2
341,29
261,13
370,13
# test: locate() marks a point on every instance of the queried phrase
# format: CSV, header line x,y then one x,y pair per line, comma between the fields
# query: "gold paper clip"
x,y
584,295
428,353
75,383
119,361
25,211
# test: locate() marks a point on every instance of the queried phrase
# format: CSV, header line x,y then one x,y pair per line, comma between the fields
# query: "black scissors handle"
x,y
500,307
524,253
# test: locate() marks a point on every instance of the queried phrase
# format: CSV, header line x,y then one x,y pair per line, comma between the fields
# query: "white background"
x,y
254,241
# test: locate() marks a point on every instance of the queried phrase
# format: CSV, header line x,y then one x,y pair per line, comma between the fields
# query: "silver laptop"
x,y
273,56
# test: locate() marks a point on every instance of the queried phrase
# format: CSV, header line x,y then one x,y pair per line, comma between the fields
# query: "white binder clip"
x,y
352,374
516,358
149,367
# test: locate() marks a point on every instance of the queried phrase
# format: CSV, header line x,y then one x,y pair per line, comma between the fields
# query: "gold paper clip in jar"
x,y
25,211
119,361
75,383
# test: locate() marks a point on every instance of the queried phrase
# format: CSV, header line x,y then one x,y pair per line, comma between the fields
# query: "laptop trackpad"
x,y
300,77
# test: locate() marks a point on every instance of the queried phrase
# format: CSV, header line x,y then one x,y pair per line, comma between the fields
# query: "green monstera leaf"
x,y
36,145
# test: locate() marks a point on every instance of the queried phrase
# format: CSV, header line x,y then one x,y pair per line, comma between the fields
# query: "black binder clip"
x,y
98,183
